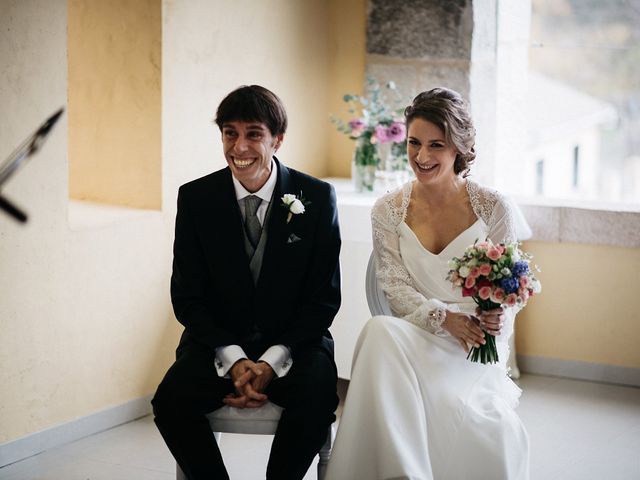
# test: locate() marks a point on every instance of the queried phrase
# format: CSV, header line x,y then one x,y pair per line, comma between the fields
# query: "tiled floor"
x,y
579,430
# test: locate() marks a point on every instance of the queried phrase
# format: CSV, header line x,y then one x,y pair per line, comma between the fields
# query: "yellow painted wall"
x,y
588,307
85,314
114,110
347,42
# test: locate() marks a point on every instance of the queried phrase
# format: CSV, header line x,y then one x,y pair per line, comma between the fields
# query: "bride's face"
x,y
430,156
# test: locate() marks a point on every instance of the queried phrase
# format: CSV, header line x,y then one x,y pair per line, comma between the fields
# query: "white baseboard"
x,y
35,443
594,372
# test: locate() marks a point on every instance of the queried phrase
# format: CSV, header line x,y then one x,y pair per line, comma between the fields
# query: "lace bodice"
x,y
413,292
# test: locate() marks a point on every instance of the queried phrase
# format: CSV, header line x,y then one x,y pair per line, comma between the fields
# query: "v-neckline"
x,y
415,237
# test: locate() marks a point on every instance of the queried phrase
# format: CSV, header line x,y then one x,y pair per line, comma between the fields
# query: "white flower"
x,y
289,198
464,271
294,205
536,286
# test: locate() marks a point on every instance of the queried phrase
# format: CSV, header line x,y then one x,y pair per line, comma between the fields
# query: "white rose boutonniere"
x,y
294,205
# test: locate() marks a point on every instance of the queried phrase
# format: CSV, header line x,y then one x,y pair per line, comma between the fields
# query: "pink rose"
x,y
511,300
485,269
524,281
523,293
497,296
475,272
484,293
470,282
484,246
494,253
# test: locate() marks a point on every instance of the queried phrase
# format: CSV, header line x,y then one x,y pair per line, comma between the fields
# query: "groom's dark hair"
x,y
253,103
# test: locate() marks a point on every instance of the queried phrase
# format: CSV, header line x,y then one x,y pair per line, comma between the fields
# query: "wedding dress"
x,y
416,407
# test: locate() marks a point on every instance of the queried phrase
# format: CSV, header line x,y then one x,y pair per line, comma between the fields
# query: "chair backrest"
x,y
375,296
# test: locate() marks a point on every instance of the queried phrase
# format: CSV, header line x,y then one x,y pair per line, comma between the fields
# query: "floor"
x,y
579,430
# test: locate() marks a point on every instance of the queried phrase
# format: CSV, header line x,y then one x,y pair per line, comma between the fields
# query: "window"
x,y
576,166
540,177
584,71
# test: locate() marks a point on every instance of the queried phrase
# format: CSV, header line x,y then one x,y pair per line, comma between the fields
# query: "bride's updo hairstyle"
x,y
447,109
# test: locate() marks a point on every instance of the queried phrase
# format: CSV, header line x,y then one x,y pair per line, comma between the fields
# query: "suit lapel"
x,y
225,233
277,230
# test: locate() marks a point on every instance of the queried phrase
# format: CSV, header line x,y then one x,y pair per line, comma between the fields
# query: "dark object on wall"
x,y
25,150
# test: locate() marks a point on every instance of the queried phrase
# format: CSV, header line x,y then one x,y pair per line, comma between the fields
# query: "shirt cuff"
x,y
225,358
279,358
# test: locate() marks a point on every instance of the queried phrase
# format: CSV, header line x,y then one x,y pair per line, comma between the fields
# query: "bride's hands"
x,y
491,320
465,328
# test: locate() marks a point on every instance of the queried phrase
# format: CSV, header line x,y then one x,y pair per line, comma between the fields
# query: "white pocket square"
x,y
293,238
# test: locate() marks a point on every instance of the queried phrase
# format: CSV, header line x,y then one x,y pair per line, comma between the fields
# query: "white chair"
x,y
375,296
256,421
378,306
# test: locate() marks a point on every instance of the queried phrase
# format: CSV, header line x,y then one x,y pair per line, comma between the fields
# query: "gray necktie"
x,y
251,222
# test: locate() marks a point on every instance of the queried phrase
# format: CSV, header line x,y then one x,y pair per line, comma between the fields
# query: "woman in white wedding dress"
x,y
416,407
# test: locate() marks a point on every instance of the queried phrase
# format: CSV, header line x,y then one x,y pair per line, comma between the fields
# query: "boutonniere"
x,y
294,205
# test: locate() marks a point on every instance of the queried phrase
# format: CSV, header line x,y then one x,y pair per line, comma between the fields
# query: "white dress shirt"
x,y
277,356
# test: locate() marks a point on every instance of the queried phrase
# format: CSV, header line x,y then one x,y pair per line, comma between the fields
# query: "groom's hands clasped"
x,y
250,379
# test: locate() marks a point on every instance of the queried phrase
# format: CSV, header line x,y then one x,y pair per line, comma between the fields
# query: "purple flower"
x,y
397,132
381,134
357,124
357,127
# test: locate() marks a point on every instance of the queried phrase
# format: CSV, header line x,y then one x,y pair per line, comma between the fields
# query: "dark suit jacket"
x,y
298,292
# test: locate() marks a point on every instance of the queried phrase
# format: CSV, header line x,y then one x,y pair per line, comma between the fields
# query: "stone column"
x,y
477,47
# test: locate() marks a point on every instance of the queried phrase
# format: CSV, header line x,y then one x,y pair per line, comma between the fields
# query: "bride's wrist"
x,y
437,318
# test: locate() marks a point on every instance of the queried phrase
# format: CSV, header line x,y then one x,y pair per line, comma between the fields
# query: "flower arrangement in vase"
x,y
379,132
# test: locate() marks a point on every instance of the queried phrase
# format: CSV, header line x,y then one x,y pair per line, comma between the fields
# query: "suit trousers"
x,y
191,388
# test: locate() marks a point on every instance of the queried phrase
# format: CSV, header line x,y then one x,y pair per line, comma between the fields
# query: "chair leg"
x,y
324,454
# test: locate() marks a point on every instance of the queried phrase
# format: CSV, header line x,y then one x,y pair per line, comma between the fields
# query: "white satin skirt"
x,y
418,409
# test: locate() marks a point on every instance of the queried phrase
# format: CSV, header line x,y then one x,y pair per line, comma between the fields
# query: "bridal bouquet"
x,y
494,276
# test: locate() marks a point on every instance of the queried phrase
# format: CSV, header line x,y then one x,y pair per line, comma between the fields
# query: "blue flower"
x,y
520,268
509,285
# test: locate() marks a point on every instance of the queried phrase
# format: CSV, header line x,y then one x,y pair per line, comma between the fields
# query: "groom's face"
x,y
248,148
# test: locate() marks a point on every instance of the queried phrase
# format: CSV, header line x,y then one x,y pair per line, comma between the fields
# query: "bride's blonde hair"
x,y
447,109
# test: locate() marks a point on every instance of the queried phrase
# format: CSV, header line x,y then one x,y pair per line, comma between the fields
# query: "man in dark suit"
x,y
256,285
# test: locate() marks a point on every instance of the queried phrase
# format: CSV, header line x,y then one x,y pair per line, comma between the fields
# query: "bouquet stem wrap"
x,y
487,353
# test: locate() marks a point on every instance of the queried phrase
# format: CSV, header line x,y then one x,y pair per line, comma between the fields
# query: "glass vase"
x,y
393,168
364,165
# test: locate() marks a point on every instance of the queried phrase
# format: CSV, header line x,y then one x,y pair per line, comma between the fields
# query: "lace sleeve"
x,y
396,282
501,215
